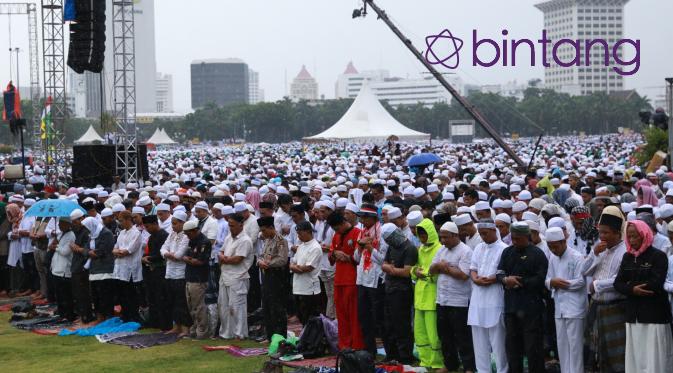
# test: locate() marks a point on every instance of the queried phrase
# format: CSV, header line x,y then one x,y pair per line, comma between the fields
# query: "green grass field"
x,y
22,351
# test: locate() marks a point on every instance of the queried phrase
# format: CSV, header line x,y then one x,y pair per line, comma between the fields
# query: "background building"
x,y
256,94
304,86
583,19
397,91
164,86
222,82
76,99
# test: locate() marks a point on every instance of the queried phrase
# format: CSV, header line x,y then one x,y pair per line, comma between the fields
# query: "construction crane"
x,y
471,109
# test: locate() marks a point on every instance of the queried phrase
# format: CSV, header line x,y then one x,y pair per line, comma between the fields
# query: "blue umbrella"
x,y
53,208
422,159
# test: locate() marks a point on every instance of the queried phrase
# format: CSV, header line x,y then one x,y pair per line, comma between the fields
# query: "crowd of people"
x,y
467,261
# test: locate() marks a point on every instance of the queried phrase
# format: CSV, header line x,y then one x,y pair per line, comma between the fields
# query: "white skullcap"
x,y
106,212
481,205
482,196
342,203
192,224
557,222
173,198
201,205
394,213
497,204
144,201
524,195
240,207
102,194
414,217
163,207
537,203
665,211
138,210
419,192
433,188
531,216
506,204
514,188
387,229
533,225
448,197
519,206
626,207
228,210
462,219
118,208
180,215
504,218
352,207
449,227
329,205
554,234
180,208
29,202
76,214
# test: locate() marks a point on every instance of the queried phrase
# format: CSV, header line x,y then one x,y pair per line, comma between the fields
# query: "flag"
x,y
12,101
45,122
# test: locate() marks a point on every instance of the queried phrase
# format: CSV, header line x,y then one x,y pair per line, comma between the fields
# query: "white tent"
x,y
90,136
160,137
367,120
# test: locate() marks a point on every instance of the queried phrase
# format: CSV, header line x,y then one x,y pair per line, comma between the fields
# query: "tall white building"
x,y
76,99
164,93
256,94
304,86
145,59
397,91
584,20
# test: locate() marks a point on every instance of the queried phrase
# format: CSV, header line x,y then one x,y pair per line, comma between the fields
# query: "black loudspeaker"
x,y
95,164
87,37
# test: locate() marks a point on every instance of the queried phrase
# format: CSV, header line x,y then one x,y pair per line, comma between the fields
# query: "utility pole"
x,y
669,101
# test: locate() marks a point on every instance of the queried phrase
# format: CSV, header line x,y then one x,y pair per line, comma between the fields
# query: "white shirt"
x,y
222,233
308,254
129,268
452,291
177,244
370,278
324,234
604,268
487,303
166,224
60,263
251,228
280,219
240,245
210,228
473,241
660,242
570,303
542,245
26,243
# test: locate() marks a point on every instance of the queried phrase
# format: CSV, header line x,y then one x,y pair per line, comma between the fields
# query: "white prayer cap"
x,y
433,188
106,212
228,210
352,207
329,205
201,205
481,205
174,198
554,234
240,207
76,214
497,204
192,224
519,206
342,203
87,199
163,207
462,219
514,188
419,192
138,210
449,227
103,194
482,196
536,203
387,229
531,216
557,222
179,208
506,204
394,213
144,201
409,191
29,202
631,216
448,197
626,207
180,215
391,183
524,195
533,225
195,195
504,218
414,217
342,188
665,211
118,208
239,197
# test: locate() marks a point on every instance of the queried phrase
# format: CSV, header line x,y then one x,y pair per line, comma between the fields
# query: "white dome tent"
x,y
160,137
367,121
90,137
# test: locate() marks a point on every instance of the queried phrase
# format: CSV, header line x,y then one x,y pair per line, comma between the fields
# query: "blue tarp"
x,y
69,12
113,325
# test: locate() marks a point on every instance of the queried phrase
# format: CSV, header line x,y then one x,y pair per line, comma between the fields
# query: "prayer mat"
x,y
105,338
146,340
237,351
37,322
325,361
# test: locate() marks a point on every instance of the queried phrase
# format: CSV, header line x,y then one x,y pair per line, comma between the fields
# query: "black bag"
x,y
312,342
349,361
272,366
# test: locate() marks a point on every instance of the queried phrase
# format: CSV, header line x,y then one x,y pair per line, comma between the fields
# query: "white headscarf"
x,y
93,226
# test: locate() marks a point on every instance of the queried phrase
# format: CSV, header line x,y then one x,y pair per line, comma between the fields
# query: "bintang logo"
x,y
445,48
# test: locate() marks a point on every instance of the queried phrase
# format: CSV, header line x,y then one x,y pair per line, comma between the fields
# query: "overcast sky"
x,y
276,37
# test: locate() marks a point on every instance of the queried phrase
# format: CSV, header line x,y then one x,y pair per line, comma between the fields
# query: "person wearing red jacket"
x,y
341,253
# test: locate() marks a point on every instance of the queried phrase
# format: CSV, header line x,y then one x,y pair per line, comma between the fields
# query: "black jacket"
x,y
104,261
78,260
530,264
649,268
154,244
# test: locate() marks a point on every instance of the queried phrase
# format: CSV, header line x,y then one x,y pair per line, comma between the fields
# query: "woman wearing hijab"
x,y
253,198
647,196
101,268
15,216
641,277
586,233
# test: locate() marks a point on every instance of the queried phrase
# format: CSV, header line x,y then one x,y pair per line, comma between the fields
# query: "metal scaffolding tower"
x,y
56,156
123,34
30,9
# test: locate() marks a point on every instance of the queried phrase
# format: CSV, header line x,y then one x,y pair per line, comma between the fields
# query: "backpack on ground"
x,y
349,361
312,342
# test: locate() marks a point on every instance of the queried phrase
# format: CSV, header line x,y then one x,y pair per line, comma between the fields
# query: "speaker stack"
x,y
95,164
87,37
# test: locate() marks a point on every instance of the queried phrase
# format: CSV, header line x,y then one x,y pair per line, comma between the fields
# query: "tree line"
x,y
285,120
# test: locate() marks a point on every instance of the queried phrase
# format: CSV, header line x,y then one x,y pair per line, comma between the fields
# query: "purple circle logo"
x,y
450,44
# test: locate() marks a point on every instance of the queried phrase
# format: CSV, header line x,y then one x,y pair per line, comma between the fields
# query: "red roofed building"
x,y
304,86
